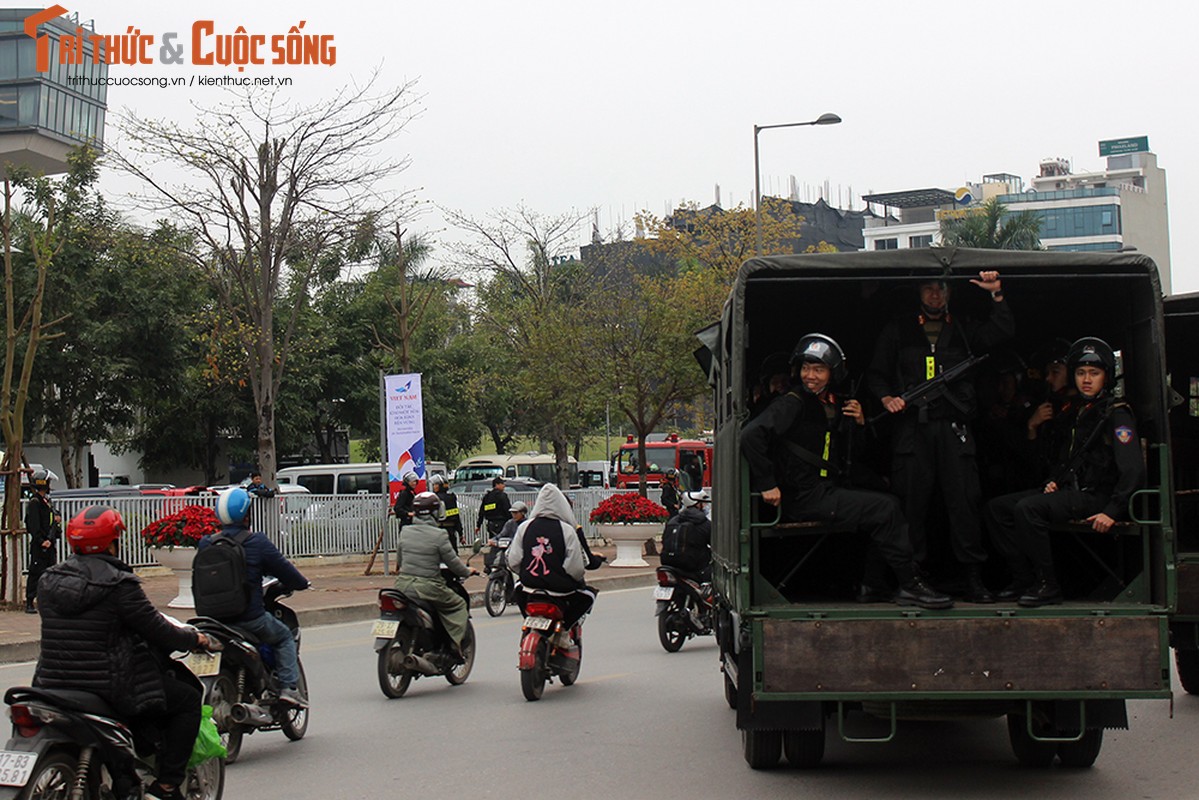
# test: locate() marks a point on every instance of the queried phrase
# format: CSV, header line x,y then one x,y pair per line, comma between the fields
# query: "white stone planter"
x,y
629,540
179,561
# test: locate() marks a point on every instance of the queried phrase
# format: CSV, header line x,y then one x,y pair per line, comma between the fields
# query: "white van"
x,y
334,478
539,466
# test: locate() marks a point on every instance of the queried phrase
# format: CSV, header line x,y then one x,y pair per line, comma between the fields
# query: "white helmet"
x,y
692,499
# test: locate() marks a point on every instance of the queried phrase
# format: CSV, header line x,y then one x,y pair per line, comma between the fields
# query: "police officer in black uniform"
x,y
1097,471
452,519
796,448
493,509
933,442
44,527
404,498
670,492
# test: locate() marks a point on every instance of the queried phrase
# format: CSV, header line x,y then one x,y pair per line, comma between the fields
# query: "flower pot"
x,y
179,561
629,538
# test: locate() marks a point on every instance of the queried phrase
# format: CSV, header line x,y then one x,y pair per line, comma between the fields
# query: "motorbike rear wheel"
x,y
295,720
495,596
532,680
205,781
221,697
672,628
52,778
458,675
393,678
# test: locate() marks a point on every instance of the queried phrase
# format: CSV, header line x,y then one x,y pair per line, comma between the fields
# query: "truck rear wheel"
x,y
804,749
1081,754
1187,663
1029,752
763,749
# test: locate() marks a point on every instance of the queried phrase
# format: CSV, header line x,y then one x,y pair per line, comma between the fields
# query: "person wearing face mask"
x,y
796,452
1097,469
932,442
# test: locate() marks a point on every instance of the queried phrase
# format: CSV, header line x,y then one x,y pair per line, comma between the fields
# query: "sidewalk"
x,y
339,593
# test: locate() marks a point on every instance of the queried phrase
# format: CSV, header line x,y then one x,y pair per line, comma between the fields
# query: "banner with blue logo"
x,y
405,430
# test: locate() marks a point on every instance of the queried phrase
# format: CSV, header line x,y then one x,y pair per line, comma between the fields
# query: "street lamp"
x,y
823,119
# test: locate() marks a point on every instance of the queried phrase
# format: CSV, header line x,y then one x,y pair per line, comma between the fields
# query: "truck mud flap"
x,y
994,655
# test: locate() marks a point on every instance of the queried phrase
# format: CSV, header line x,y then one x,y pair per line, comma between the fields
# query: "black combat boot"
x,y
1045,592
976,590
1022,581
916,592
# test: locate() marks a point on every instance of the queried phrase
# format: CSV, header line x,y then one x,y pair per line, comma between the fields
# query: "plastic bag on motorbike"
x,y
208,741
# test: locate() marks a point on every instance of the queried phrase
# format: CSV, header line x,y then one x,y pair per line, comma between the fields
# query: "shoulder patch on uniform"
x,y
1124,434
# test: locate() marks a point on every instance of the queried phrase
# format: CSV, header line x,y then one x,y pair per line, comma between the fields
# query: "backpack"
x,y
219,577
681,546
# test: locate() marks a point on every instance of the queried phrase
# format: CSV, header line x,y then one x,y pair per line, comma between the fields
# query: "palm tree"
x,y
994,229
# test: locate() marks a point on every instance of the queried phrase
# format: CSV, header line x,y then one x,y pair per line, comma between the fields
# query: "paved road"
x,y
640,723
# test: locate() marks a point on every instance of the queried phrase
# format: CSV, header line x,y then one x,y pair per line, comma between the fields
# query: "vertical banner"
x,y
405,430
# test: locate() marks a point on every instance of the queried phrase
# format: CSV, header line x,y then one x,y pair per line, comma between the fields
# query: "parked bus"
x,y
692,459
538,466
799,655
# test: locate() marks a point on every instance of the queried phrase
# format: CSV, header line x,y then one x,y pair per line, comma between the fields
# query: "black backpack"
x,y
681,546
219,577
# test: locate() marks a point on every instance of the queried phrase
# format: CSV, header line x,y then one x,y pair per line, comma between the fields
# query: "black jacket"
x,y
403,506
670,497
101,634
453,516
495,507
39,522
901,356
801,420
263,559
1112,465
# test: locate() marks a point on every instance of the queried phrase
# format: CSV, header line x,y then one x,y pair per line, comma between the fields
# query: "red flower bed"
x,y
184,528
626,508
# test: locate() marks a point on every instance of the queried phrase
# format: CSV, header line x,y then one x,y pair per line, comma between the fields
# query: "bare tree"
x,y
273,192
408,293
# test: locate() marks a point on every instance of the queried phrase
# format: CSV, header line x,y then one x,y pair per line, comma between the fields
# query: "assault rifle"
x,y
934,388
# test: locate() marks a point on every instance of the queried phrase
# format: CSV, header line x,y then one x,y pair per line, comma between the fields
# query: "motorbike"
x,y
70,743
548,648
412,643
501,584
239,682
683,607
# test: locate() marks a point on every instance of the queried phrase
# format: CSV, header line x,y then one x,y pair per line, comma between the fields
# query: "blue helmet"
x,y
233,506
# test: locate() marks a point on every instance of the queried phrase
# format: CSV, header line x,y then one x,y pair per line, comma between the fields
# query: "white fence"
x,y
308,524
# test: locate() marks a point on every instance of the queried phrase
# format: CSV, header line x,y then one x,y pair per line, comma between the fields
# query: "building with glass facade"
x,y
44,114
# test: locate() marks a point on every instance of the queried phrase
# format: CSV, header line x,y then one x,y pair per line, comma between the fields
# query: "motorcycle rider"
x,y
449,503
423,549
263,559
518,511
493,509
101,634
43,525
403,504
700,528
548,557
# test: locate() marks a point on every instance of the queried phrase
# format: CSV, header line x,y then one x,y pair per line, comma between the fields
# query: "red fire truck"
x,y
691,457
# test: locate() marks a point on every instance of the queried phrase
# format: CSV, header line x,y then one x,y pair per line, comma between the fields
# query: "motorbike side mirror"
x,y
476,546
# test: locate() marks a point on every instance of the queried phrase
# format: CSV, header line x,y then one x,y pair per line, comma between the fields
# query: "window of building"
x,y
920,241
8,106
886,244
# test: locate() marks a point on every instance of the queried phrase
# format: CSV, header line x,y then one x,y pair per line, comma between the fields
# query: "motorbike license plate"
x,y
385,628
538,623
203,664
15,768
663,592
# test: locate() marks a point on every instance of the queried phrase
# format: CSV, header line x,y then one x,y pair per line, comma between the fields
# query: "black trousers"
x,y
38,563
1019,525
932,453
875,513
178,725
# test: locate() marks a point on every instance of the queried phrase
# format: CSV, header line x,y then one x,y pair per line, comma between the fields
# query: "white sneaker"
x,y
292,697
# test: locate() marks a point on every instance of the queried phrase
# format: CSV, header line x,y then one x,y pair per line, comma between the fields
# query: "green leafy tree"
x,y
993,228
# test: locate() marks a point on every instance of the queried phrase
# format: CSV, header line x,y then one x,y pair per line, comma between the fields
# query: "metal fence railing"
x,y
308,524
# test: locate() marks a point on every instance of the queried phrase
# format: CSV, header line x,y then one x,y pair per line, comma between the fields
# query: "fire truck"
x,y
691,457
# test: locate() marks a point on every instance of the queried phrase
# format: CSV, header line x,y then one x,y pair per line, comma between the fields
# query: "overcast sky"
x,y
628,105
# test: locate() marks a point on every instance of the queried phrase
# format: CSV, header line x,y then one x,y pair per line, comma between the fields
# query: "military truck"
x,y
799,655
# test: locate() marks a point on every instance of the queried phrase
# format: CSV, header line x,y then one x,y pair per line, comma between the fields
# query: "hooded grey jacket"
x,y
552,506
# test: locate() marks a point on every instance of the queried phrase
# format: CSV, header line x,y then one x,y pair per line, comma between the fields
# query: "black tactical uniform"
x,y
44,532
933,443
494,509
775,443
670,496
452,522
403,505
1098,469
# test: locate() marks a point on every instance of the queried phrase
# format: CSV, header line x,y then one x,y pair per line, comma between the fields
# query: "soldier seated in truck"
x,y
795,450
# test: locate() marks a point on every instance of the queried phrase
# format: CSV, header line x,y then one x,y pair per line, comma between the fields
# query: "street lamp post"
x,y
823,119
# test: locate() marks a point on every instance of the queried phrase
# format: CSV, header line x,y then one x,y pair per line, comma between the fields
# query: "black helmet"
x,y
427,504
1093,351
1054,351
40,480
774,364
820,349
672,473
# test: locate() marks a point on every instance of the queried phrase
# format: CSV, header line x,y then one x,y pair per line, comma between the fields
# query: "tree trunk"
x,y
210,448
562,461
10,549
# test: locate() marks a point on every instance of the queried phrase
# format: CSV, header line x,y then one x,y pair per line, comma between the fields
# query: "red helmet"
x,y
94,528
